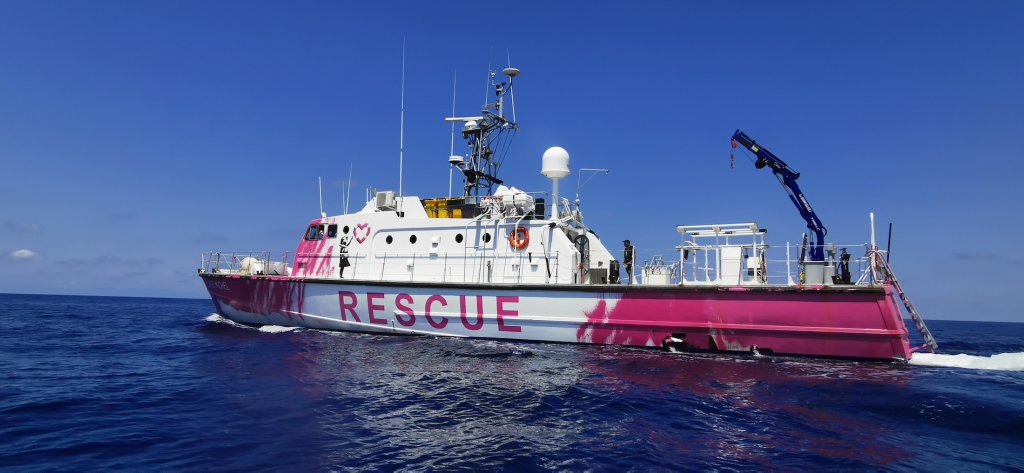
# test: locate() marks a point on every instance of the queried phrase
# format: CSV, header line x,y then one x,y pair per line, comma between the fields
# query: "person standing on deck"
x,y
627,260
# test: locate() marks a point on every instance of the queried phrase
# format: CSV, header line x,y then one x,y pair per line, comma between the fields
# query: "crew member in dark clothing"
x,y
627,261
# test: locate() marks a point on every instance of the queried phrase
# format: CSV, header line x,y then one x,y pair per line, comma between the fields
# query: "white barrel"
x,y
523,200
250,265
278,268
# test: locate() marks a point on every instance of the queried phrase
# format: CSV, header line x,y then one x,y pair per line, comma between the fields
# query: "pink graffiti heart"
x,y
362,232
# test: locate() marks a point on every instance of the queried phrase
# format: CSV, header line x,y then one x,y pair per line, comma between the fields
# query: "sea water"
x,y
97,383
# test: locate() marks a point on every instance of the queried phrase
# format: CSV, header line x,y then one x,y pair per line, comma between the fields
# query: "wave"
x,y
276,329
217,318
220,319
1001,361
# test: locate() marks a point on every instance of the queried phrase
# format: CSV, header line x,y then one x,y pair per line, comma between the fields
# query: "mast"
x,y
488,137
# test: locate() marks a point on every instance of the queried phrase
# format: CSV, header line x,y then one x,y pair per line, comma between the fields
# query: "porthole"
x,y
412,239
487,237
458,238
344,229
389,239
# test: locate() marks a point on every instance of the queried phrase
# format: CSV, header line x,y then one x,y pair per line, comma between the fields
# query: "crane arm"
x,y
787,177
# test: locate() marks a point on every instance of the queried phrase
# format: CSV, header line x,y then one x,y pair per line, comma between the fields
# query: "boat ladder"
x,y
929,340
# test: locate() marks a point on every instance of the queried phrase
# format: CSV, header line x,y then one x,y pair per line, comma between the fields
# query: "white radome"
x,y
555,163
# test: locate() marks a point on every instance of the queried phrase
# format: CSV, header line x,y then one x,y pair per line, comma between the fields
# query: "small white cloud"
x,y
24,228
23,254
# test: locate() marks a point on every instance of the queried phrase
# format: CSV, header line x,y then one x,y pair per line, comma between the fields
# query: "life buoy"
x,y
519,238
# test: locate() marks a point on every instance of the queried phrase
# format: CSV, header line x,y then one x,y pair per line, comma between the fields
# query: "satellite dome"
x,y
555,163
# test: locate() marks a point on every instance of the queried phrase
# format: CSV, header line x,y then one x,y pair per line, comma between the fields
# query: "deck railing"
x,y
241,262
700,267
455,267
782,265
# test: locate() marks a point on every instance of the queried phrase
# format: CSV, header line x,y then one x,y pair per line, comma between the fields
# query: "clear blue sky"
x,y
134,135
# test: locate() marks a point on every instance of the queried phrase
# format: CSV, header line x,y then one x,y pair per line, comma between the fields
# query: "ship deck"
x,y
587,288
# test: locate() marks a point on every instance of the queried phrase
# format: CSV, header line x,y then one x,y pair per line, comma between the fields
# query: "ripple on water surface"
x,y
161,384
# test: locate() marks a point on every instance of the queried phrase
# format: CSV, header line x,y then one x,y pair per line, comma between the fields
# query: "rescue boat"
x,y
501,263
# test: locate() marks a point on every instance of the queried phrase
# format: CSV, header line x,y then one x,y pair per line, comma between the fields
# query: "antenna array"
x,y
488,136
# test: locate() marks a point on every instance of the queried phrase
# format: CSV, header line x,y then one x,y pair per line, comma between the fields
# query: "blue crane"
x,y
787,177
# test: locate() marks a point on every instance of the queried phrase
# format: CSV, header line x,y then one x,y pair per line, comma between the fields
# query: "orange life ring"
x,y
519,238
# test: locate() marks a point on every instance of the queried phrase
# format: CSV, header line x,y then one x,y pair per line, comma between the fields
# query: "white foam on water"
x,y
276,329
1002,361
216,318
220,319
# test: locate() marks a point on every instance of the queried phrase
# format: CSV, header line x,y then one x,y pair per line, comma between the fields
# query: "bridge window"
x,y
314,232
332,231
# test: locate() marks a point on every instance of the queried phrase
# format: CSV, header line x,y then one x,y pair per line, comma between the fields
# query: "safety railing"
x,y
243,262
781,265
456,267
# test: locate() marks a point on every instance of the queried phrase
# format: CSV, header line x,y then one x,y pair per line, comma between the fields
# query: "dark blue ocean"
x,y
98,383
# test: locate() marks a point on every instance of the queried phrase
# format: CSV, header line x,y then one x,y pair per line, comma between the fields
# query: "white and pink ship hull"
x,y
848,322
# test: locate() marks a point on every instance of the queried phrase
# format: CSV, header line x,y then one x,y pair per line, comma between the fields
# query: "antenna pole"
x,y
554,198
871,215
487,81
320,189
401,127
511,90
874,250
451,167
888,245
348,188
